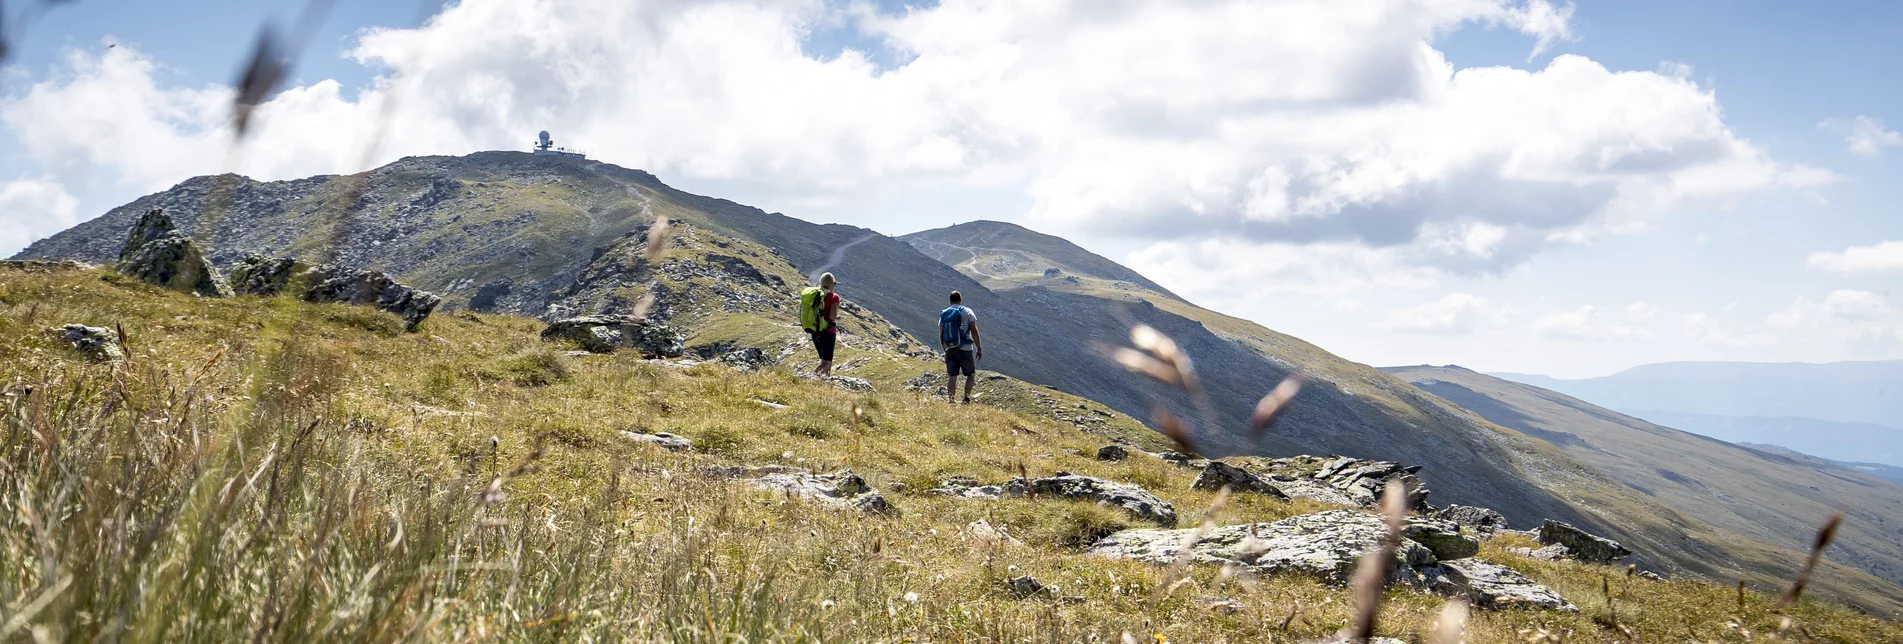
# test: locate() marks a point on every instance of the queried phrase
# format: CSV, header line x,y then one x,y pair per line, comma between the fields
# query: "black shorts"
x,y
961,361
823,341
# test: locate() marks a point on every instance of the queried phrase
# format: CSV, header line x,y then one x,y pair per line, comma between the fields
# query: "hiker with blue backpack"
x,y
958,335
819,315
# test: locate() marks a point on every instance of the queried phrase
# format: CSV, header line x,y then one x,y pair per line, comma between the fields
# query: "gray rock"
x,y
1129,498
1313,490
1484,521
1491,585
1326,544
663,440
842,489
94,342
605,333
1025,586
747,358
265,276
982,530
1112,453
851,384
378,289
1222,605
1442,537
1133,499
1585,546
157,253
1218,474
1553,552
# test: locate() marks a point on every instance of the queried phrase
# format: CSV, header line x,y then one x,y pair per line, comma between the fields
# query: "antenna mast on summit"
x,y
545,146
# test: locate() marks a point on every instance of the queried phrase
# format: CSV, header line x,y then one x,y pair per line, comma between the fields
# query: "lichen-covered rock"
x,y
1585,546
1218,474
842,489
851,384
1491,585
1112,453
662,440
746,358
605,333
1442,537
157,253
1326,544
1130,498
1313,490
94,342
264,276
1484,521
378,289
1364,481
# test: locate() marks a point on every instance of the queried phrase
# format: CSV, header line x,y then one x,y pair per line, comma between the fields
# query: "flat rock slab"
x,y
605,333
1133,499
1583,545
842,489
1492,585
663,440
1326,544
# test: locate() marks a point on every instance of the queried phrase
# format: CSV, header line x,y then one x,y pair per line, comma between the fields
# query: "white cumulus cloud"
x,y
1856,305
1882,256
34,208
1864,135
1455,314
1585,323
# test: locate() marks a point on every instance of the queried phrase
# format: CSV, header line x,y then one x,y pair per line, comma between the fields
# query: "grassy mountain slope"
x,y
275,470
545,236
1768,498
1669,535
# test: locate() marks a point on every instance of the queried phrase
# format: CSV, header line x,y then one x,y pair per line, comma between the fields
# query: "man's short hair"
x,y
956,298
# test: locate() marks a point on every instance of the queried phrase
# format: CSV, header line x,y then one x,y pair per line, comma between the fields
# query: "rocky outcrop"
x,y
265,276
1583,545
662,440
1218,475
94,342
1442,537
1492,585
849,383
1341,480
1326,544
1432,556
842,489
1112,453
1484,522
1133,499
605,333
157,253
378,289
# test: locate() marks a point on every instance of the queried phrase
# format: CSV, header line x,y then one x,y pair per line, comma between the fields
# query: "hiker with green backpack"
x,y
958,335
819,315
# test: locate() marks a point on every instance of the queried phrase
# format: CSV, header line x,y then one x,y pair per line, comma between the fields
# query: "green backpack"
x,y
811,301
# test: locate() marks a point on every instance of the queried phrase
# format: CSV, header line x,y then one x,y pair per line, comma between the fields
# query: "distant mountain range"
x,y
1846,411
548,237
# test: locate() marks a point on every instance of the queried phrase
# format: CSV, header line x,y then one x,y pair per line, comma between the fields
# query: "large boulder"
x,y
1442,537
1491,585
1583,545
1217,475
378,289
1484,521
1328,544
94,342
1112,453
1364,480
265,276
605,333
155,252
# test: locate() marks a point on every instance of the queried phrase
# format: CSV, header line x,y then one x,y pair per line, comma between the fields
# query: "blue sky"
x,y
1399,182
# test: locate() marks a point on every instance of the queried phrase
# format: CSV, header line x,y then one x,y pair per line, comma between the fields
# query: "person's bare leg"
x,y
970,379
825,369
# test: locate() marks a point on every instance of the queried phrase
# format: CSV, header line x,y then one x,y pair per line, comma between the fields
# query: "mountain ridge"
x,y
548,237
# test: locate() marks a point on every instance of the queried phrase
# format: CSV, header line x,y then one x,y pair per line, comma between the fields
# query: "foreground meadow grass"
x,y
278,471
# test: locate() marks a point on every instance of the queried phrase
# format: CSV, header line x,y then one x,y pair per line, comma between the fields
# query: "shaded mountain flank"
x,y
552,237
1761,495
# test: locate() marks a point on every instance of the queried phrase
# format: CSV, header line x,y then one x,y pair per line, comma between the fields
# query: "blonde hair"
x,y
826,280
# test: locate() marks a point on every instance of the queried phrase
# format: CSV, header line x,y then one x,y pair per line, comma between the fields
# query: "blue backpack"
x,y
951,327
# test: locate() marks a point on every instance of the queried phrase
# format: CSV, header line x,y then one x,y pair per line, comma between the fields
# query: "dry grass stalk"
x,y
1185,552
1371,574
658,237
1824,535
1451,628
1175,428
1272,405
